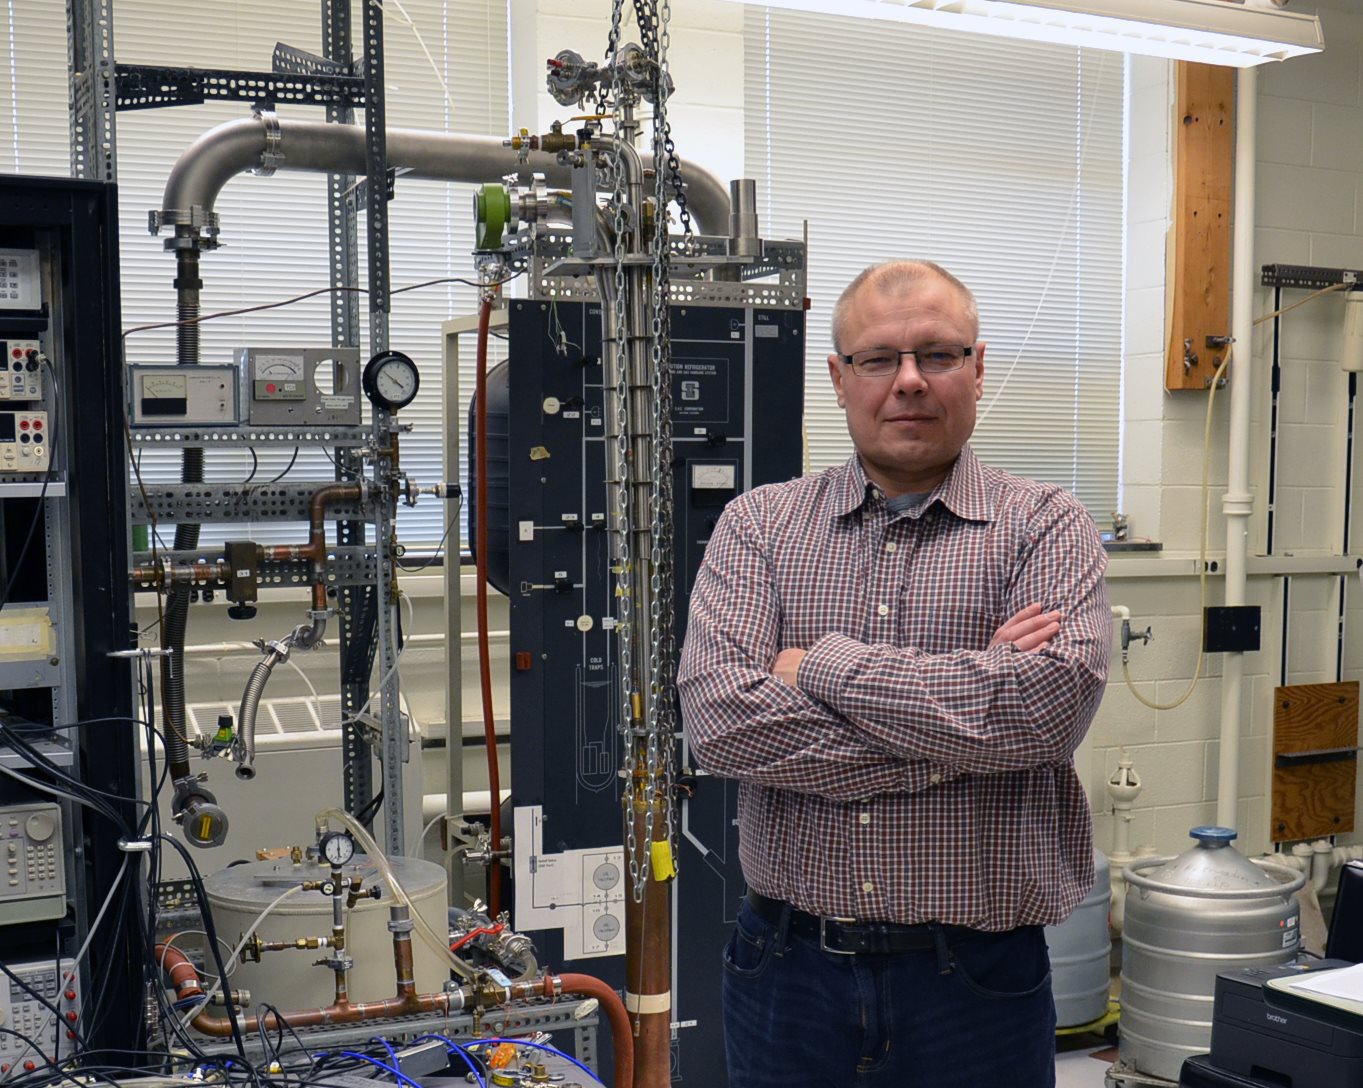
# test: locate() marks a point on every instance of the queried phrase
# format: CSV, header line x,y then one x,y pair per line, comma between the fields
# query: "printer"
x,y
1264,1037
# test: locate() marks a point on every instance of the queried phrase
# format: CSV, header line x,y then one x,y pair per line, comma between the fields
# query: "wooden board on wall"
x,y
1314,798
1200,257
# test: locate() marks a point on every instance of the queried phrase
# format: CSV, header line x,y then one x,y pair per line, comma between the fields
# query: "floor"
x,y
1081,1061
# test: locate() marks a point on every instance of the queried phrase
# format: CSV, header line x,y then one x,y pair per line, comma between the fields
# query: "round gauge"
x,y
391,380
337,847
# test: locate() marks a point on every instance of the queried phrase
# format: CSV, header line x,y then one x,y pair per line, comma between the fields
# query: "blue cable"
x,y
538,1046
455,1048
402,1077
392,1054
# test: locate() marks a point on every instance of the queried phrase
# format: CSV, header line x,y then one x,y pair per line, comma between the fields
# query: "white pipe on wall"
x,y
1238,503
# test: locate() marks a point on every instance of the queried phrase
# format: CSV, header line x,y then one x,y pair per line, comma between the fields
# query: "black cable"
x,y
211,931
369,811
279,1019
458,507
286,468
255,465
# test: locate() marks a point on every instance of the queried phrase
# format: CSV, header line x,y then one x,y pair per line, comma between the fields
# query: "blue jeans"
x,y
974,1014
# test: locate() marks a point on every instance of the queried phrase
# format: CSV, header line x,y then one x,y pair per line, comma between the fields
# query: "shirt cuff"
x,y
827,668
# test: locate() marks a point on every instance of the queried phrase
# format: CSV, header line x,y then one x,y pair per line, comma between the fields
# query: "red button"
x,y
70,995
23,424
30,1066
4,1068
270,387
70,1034
72,1016
37,424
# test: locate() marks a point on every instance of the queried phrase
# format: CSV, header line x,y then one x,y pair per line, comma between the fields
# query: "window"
x,y
1002,161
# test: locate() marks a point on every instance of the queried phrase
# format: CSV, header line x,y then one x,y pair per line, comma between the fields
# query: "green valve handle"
x,y
491,213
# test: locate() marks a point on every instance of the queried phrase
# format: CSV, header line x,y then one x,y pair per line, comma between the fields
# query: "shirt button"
x,y
935,778
883,609
868,887
891,546
866,817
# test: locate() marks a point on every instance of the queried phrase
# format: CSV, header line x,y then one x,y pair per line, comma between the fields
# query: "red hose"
x,y
494,894
182,974
622,1035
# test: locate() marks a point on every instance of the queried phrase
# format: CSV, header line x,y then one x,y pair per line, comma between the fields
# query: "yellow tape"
x,y
663,869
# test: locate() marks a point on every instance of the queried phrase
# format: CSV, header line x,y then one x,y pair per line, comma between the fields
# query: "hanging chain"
x,y
623,530
662,732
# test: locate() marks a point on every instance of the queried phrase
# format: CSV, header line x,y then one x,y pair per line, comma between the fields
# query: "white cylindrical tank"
x,y
1187,919
289,980
1080,948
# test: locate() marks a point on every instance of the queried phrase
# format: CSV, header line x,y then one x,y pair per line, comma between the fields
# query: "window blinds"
x,y
1002,161
274,229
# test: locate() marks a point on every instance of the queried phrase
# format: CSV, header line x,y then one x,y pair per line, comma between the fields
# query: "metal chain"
x,y
662,733
623,530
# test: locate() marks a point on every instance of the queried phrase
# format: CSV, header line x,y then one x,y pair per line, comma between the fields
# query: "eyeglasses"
x,y
885,362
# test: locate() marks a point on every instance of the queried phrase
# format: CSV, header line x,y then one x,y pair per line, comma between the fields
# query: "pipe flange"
x,y
203,224
273,156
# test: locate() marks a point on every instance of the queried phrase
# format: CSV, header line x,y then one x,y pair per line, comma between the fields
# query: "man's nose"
x,y
908,378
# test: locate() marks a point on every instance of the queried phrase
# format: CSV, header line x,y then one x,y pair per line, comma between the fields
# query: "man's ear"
x,y
835,372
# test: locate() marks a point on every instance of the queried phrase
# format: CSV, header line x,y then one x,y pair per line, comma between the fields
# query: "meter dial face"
x,y
279,368
157,386
391,380
338,847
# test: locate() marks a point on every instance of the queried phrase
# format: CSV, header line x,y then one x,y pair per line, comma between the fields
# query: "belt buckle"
x,y
823,935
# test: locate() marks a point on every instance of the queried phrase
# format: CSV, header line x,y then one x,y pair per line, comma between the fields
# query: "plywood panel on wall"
x,y
1315,743
1200,247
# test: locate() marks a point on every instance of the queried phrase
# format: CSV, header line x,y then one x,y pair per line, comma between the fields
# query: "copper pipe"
x,y
315,550
186,979
622,1039
186,572
648,935
402,951
480,545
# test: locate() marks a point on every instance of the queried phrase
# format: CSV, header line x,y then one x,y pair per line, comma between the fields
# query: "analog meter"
x,y
391,380
337,847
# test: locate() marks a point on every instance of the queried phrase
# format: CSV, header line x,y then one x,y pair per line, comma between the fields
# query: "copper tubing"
x,y
494,894
316,548
187,572
186,981
648,959
621,1037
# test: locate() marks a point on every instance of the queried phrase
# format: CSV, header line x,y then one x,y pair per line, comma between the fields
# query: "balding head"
x,y
894,276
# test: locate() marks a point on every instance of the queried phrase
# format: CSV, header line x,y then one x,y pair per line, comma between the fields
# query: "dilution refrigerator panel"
x,y
571,878
65,702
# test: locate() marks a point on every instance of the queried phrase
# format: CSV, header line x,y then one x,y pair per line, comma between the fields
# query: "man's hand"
x,y
1030,630
786,665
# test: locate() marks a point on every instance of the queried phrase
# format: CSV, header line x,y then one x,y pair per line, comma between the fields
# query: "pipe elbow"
x,y
208,164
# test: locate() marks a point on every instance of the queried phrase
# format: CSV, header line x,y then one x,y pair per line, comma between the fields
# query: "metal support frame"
x,y
90,44
150,87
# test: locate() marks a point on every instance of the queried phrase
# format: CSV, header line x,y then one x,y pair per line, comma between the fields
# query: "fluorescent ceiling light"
x,y
1231,32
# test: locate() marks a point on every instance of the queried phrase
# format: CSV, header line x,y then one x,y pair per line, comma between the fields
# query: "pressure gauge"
x,y
337,847
391,380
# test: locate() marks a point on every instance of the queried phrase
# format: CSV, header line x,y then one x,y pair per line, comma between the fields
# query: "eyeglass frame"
x,y
967,350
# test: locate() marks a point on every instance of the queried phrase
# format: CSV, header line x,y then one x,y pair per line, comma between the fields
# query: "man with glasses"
x,y
897,659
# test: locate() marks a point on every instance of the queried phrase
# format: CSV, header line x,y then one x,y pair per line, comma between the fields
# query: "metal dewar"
x,y
290,980
1208,910
1079,948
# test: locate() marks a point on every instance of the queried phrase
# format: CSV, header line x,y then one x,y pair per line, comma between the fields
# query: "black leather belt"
x,y
849,937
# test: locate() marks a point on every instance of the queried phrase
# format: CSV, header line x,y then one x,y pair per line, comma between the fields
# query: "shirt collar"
x,y
963,492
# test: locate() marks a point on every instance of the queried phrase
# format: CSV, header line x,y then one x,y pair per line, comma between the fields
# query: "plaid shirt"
x,y
915,774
